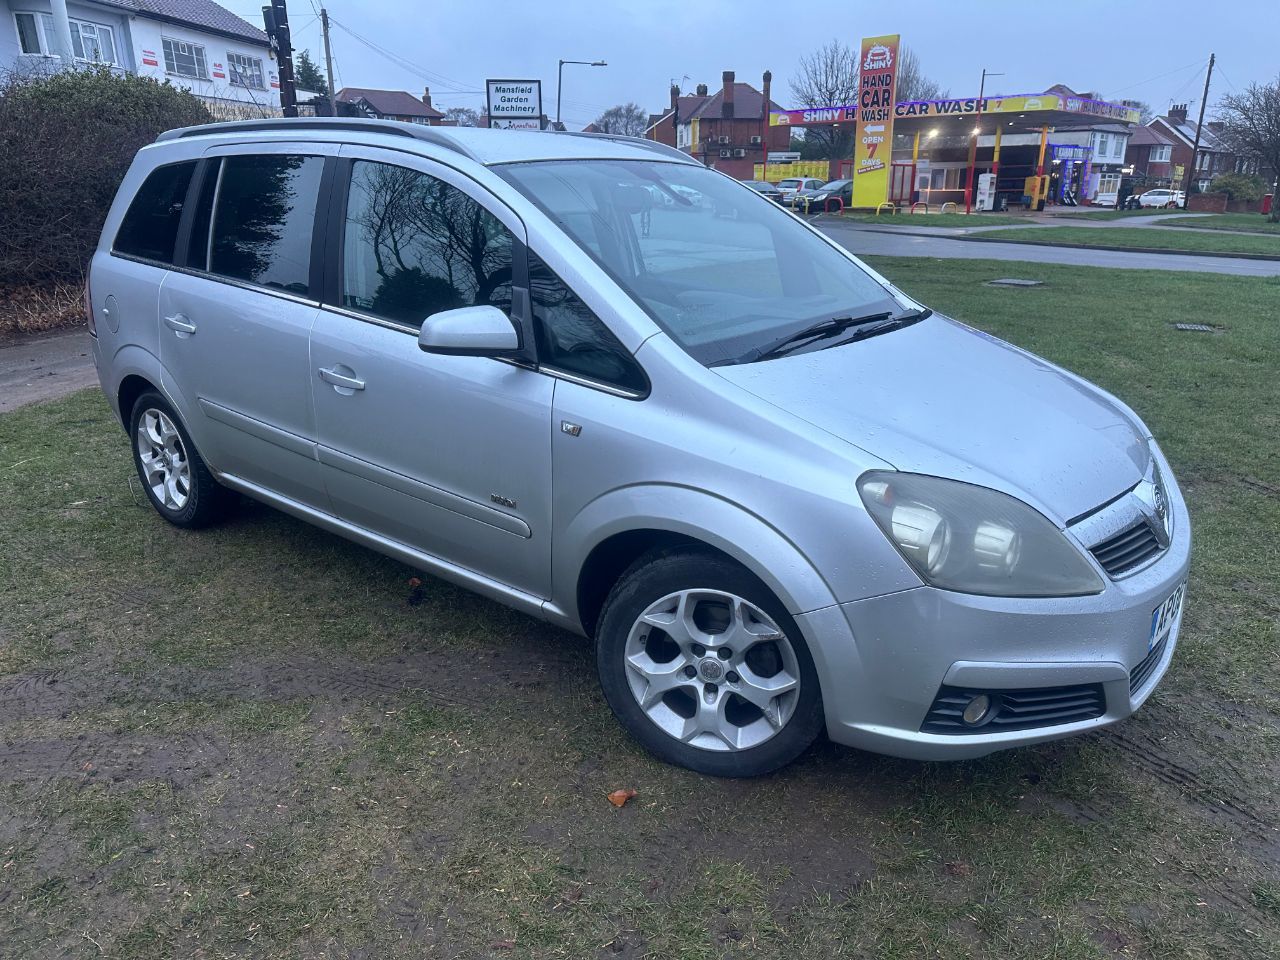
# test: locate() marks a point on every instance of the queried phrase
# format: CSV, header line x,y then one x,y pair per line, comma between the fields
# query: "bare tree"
x,y
912,83
829,78
463,116
626,119
1251,127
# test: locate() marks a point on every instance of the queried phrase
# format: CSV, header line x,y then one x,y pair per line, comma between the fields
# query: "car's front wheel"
x,y
705,667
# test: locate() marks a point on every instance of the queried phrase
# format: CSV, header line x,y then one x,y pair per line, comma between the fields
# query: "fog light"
x,y
977,710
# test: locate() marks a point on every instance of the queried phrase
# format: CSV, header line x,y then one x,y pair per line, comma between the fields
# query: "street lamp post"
x,y
560,77
973,151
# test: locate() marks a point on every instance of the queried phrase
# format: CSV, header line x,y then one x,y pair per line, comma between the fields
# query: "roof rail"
x,y
393,128
652,145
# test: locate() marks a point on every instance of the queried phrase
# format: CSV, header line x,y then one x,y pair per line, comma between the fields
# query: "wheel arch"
x,y
613,531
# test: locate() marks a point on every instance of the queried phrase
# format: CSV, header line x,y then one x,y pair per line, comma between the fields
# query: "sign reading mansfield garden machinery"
x,y
873,141
515,104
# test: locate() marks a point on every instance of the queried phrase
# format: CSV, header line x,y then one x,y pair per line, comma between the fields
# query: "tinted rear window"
x,y
263,218
150,227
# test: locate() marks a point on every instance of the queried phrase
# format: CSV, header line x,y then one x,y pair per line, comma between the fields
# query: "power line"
x,y
1160,76
403,62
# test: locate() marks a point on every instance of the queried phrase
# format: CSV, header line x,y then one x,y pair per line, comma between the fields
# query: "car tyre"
x,y
174,476
690,648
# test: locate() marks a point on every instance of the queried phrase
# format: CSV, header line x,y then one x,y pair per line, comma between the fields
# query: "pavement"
x,y
44,367
943,244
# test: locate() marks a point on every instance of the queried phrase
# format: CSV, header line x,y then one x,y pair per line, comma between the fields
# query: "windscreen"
x,y
722,269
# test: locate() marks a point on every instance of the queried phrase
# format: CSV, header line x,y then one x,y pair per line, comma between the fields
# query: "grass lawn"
x,y
262,741
1245,222
1144,237
938,219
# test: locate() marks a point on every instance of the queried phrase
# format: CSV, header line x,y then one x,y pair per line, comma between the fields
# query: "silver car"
x,y
781,496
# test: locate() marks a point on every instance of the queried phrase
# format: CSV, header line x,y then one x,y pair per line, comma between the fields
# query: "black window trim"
x,y
521,297
182,219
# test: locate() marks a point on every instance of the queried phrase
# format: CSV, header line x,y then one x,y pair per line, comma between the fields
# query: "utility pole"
x,y
977,132
328,62
1195,147
276,19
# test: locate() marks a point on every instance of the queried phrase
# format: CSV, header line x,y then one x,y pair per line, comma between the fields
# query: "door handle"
x,y
340,380
179,324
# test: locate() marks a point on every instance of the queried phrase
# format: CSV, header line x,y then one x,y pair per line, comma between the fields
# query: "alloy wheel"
x,y
165,468
712,670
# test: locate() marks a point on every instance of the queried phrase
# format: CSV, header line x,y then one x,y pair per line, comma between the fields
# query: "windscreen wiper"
x,y
868,326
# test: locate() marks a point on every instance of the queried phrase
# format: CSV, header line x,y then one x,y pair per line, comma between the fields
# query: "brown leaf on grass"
x,y
619,798
502,945
415,582
957,868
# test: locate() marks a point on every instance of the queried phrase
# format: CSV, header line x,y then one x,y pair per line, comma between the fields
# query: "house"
x,y
392,105
728,130
1213,157
1149,158
195,44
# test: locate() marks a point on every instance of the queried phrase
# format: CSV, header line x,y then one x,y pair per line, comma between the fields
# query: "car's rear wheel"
x,y
173,474
705,667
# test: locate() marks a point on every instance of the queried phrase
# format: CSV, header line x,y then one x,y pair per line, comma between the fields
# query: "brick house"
x,y
392,105
727,130
1213,157
1149,154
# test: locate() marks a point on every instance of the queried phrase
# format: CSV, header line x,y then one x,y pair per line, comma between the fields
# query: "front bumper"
x,y
882,660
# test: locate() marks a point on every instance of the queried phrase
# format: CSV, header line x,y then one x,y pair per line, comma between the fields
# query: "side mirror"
x,y
469,332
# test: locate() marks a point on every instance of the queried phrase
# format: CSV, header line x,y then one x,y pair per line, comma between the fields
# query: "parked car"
x,y
1162,197
827,198
765,189
801,503
792,185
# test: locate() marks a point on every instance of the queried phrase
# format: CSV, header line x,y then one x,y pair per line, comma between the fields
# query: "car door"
x,y
236,315
450,455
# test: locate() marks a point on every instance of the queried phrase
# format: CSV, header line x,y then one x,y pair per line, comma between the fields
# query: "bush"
x,y
1240,186
66,141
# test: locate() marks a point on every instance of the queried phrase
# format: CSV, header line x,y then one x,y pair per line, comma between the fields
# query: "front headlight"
x,y
971,539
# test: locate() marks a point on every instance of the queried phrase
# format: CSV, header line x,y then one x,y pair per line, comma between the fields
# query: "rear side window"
x,y
263,216
150,227
414,245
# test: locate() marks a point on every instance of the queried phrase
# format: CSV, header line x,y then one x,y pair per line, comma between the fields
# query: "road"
x,y
861,239
42,368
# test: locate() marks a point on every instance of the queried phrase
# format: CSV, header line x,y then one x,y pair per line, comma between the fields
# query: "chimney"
x,y
764,106
675,95
1178,114
426,96
702,90
726,108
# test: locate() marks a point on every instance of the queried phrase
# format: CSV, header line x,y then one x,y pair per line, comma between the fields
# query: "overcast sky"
x,y
1152,51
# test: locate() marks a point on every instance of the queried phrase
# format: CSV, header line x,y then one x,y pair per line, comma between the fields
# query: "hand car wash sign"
x,y
873,142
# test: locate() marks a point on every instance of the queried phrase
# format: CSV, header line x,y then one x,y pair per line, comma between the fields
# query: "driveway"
x,y
863,240
42,368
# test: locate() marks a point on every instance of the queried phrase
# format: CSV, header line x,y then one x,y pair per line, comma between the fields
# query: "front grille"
x,y
1140,674
1016,709
1133,545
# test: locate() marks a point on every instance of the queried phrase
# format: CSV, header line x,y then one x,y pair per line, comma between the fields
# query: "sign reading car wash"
x,y
873,142
515,104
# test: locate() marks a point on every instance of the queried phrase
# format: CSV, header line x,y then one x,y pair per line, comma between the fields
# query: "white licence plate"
x,y
1165,616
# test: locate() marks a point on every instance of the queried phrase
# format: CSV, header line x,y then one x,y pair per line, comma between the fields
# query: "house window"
x,y
90,42
1104,145
1161,153
245,71
185,59
1204,161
